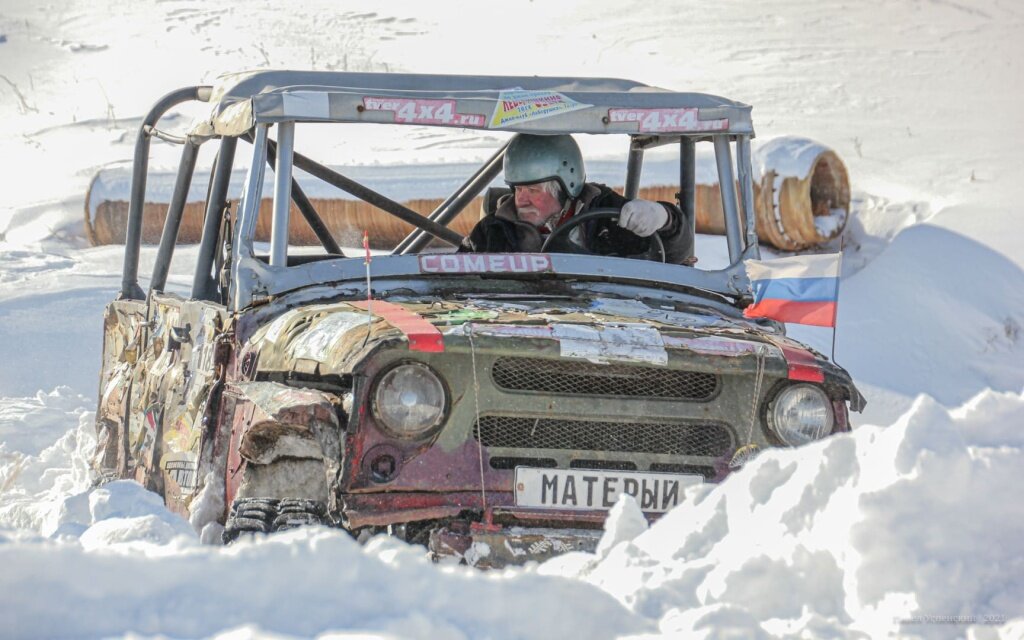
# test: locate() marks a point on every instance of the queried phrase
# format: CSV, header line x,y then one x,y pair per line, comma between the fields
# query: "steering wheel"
x,y
599,214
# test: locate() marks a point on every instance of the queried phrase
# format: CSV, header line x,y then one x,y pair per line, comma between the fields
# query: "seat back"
x,y
490,200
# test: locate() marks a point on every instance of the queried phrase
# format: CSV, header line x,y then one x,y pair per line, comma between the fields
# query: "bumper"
x,y
494,547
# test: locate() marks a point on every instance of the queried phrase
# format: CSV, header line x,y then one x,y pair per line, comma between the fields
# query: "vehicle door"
x,y
170,389
124,328
159,355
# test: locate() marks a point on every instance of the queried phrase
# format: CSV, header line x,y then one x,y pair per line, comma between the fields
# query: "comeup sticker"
x,y
517,105
485,263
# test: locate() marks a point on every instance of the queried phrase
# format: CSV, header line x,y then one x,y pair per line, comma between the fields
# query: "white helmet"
x,y
530,159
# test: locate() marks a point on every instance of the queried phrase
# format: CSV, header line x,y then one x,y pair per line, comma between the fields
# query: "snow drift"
x,y
855,536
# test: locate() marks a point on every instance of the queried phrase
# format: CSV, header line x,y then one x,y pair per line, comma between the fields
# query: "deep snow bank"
x,y
844,538
29,425
855,533
129,574
40,493
936,312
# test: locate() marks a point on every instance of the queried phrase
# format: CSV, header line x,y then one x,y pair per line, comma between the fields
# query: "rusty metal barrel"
x,y
801,193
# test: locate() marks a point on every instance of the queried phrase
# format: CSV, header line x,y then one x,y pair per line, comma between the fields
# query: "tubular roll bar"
x,y
203,281
350,186
455,203
282,194
130,289
740,231
746,180
687,181
634,165
378,200
175,210
306,208
727,185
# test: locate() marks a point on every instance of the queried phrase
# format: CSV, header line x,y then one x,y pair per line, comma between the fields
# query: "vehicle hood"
x,y
334,338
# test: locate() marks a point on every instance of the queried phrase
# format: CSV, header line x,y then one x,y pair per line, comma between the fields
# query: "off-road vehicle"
x,y
489,406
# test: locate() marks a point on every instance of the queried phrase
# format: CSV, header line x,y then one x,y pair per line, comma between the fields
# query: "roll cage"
x,y
247,106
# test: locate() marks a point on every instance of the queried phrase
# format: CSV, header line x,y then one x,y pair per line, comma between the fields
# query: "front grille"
x,y
709,473
586,378
511,462
671,438
608,465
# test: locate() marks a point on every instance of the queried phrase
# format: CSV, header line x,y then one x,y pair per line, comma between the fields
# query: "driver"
x,y
547,177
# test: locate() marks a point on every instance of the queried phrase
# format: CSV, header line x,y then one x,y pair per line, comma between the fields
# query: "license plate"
x,y
587,489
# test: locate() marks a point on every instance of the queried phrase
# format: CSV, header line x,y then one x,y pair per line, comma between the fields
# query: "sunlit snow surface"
x,y
914,517
843,538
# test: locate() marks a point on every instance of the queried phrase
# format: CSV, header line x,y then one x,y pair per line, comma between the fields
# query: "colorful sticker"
x,y
422,335
317,342
510,330
666,120
713,346
180,437
202,350
485,263
181,469
637,309
632,343
516,106
279,324
420,111
460,316
145,438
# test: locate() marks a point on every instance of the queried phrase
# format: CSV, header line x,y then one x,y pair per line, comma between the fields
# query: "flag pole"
x,y
369,291
835,311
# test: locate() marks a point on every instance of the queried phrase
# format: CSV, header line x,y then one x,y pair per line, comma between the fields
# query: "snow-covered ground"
x,y
911,525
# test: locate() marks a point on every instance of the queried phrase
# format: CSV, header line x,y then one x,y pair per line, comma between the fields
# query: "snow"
x,y
830,224
848,535
847,529
28,425
625,522
914,516
299,583
788,156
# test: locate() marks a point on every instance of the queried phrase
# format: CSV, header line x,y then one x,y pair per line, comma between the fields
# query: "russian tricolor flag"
x,y
799,289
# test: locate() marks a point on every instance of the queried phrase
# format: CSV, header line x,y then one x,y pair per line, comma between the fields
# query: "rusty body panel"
x,y
492,549
123,324
293,415
156,380
452,471
274,423
278,403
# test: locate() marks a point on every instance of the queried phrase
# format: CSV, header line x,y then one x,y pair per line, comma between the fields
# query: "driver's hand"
x,y
643,217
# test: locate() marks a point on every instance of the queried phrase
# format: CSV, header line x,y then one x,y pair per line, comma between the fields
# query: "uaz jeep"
x,y
489,406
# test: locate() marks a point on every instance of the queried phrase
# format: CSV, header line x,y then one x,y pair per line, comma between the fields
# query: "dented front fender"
x,y
273,422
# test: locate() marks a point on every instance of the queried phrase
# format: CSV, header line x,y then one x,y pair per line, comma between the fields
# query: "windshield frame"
x,y
254,279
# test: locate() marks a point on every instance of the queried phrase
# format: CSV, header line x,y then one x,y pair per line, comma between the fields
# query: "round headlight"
x,y
409,399
801,414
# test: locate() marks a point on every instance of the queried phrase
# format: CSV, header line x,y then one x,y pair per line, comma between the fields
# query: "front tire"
x,y
267,515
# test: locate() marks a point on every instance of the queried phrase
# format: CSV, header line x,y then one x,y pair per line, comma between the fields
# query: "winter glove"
x,y
643,217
